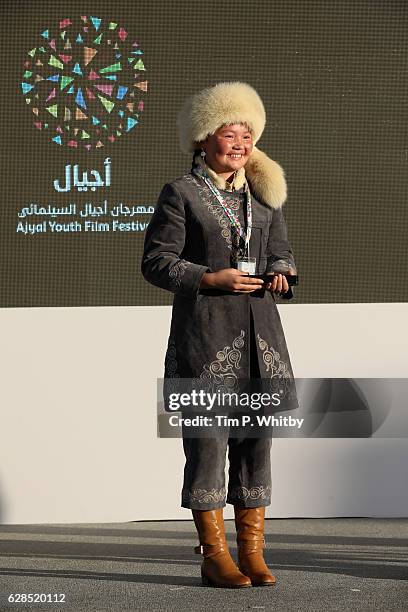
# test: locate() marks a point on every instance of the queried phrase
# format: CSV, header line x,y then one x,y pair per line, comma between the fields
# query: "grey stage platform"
x,y
320,564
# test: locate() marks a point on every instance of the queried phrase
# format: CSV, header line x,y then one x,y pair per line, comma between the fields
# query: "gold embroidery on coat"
x,y
280,374
176,272
215,207
220,373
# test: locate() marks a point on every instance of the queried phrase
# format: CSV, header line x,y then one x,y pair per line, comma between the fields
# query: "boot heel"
x,y
205,581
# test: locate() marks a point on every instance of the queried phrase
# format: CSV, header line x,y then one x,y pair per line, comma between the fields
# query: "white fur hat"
x,y
226,103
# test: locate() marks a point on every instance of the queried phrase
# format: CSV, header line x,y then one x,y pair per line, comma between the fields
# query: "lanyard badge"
x,y
243,260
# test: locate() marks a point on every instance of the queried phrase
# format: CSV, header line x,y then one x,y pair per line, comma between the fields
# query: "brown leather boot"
x,y
218,568
250,539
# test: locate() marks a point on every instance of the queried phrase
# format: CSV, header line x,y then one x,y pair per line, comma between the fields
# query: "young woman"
x,y
205,229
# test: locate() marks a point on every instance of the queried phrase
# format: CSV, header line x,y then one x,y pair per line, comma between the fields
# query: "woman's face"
x,y
228,148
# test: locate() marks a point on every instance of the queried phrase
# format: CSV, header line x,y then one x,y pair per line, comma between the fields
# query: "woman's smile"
x,y
228,148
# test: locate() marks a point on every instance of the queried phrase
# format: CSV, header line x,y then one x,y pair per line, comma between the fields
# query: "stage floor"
x,y
325,565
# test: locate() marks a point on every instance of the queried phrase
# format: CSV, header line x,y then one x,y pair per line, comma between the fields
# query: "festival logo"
x,y
85,83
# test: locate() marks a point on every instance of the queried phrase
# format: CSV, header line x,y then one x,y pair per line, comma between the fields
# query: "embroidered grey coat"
x,y
188,235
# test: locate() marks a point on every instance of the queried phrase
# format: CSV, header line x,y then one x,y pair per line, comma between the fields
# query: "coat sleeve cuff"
x,y
185,277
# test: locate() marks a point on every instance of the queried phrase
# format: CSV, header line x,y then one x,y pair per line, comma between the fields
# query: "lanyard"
x,y
232,216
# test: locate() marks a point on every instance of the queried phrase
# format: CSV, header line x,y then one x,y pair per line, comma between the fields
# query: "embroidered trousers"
x,y
249,475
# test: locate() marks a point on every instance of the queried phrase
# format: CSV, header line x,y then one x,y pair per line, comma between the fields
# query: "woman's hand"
x,y
279,284
231,279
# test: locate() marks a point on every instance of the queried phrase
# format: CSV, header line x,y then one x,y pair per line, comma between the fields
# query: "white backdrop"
x,y
78,416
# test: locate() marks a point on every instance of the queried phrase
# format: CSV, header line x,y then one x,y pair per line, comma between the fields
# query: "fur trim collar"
x,y
266,178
